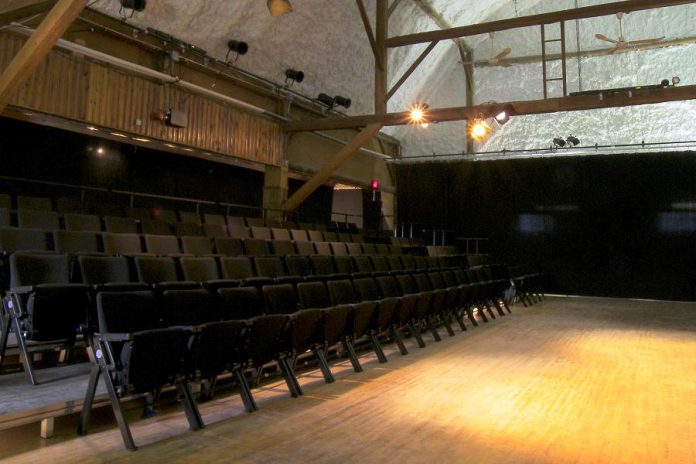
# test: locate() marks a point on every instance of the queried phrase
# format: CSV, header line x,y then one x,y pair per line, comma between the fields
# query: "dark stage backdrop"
x,y
620,226
54,155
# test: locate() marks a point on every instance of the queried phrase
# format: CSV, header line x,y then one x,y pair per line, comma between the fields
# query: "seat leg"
x,y
396,333
4,335
289,377
245,391
193,415
488,308
433,330
415,330
348,345
24,353
447,322
377,347
460,320
323,364
499,307
506,306
470,314
89,400
118,412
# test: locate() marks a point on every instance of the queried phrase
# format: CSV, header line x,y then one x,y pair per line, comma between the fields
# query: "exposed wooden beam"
x,y
347,152
410,70
23,10
610,99
37,47
393,6
368,31
381,74
534,20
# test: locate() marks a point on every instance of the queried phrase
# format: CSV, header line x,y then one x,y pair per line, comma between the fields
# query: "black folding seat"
x,y
137,212
272,266
474,295
305,248
304,331
457,298
235,303
75,242
368,249
197,246
189,217
256,247
82,222
305,225
154,227
330,236
338,249
444,299
254,221
120,225
380,264
395,264
5,217
215,230
107,273
488,289
324,266
433,262
199,269
279,233
41,305
342,293
37,203
71,205
343,237
406,313
315,236
107,209
217,219
162,245
36,219
323,248
344,265
357,238
187,229
121,244
160,272
498,285
260,232
165,215
240,268
320,226
363,266
409,264
381,249
298,265
522,283
226,246
187,307
134,355
299,235
282,247
422,313
354,249
396,250
421,263
235,221
383,320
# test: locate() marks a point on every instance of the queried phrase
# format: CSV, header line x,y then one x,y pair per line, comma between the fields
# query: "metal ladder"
x,y
545,59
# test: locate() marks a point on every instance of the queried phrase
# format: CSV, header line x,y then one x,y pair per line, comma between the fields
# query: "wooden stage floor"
x,y
569,380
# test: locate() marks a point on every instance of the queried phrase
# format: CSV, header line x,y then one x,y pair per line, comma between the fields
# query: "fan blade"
x,y
605,38
502,54
645,41
505,64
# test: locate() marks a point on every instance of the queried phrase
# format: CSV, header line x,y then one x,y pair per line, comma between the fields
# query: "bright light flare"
x,y
479,130
417,114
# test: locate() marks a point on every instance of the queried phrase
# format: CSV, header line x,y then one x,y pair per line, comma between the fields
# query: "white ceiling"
x,y
326,40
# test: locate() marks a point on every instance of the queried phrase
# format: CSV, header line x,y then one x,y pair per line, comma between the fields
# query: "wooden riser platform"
x,y
568,380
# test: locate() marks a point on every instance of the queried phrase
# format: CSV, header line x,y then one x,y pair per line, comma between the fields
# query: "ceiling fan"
x,y
622,43
497,60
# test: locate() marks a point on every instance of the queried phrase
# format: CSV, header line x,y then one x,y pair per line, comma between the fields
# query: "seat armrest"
x,y
116,337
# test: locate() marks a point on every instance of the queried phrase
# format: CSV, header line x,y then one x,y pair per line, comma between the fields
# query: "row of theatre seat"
x,y
163,331
50,220
67,211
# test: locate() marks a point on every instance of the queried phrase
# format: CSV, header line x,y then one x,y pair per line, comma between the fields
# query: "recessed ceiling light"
x,y
139,139
92,128
169,145
119,135
188,149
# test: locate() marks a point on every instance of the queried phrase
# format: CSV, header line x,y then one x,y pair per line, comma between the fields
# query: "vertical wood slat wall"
x,y
69,86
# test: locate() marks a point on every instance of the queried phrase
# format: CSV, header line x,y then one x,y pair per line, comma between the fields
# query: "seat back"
x,y
236,221
215,230
127,312
5,217
341,292
363,264
75,242
120,225
190,217
323,248
153,270
282,247
36,219
219,347
121,244
366,288
256,247
187,229
315,236
162,245
338,249
313,295
228,246
299,235
343,264
236,267
28,269
97,270
266,338
261,232
12,240
199,269
281,299
395,263
217,219
369,249
305,248
37,203
322,265
354,249
154,227
269,266
188,307
379,263
298,265
82,222
198,246
239,303
280,234
239,232
388,287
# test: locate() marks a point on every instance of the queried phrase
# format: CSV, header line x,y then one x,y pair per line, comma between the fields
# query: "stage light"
x,y
418,114
326,99
502,118
342,101
278,7
573,140
292,76
136,5
237,46
100,151
479,130
559,142
675,80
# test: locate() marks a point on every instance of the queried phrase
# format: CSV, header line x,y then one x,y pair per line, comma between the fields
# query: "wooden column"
x,y
37,47
324,174
275,191
381,75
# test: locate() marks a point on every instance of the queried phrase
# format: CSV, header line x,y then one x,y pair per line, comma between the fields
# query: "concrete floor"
x,y
575,380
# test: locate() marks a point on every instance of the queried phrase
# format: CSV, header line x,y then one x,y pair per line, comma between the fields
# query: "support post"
x,y
275,191
381,76
37,47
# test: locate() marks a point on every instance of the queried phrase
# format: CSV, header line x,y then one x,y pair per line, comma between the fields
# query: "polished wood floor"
x,y
565,381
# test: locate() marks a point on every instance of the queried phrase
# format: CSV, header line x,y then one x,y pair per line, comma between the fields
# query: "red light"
x,y
374,185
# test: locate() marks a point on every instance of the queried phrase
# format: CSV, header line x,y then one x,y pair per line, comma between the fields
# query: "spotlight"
x,y
327,100
293,75
100,151
665,83
342,101
573,140
559,142
137,5
418,114
278,7
502,118
675,80
479,130
238,47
